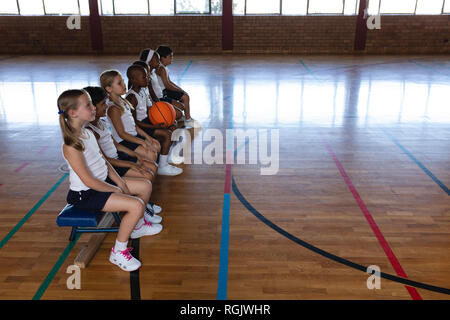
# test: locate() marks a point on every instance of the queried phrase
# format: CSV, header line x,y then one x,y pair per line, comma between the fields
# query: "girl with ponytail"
x,y
95,185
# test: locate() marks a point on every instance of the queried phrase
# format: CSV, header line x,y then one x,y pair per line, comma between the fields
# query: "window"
x,y
351,7
294,7
9,7
263,7
30,7
429,7
61,7
192,6
158,7
107,7
374,7
398,6
238,6
326,6
130,7
84,7
216,6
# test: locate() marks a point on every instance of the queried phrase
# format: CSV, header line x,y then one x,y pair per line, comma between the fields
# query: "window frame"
x,y
181,13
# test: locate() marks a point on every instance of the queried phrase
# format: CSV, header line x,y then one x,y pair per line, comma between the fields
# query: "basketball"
x,y
162,112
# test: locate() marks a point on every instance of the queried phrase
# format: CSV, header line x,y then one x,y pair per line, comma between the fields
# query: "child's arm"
x,y
167,83
131,153
143,133
132,99
115,116
78,164
152,92
112,174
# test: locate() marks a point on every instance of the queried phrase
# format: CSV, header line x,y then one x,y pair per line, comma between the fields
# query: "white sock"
x,y
120,246
163,160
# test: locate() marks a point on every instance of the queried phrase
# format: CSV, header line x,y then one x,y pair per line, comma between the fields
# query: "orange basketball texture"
x,y
162,112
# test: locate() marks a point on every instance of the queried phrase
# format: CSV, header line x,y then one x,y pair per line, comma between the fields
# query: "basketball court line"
x,y
44,285
373,225
428,67
32,211
21,167
326,254
421,166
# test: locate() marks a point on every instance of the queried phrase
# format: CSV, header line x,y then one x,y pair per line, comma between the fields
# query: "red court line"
x,y
384,244
21,167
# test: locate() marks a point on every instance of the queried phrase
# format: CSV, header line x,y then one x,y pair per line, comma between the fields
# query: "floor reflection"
x,y
251,93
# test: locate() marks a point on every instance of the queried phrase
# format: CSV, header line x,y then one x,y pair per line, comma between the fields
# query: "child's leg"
x,y
155,143
134,209
150,154
179,108
140,187
186,100
164,137
138,174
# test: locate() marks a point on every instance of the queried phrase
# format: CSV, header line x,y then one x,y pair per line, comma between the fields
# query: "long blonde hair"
x,y
68,100
106,80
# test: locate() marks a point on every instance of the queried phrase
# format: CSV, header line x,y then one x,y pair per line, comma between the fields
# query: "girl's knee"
x,y
137,207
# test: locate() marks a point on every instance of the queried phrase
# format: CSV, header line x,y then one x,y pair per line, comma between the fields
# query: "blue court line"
x,y
222,284
31,212
428,172
185,70
307,69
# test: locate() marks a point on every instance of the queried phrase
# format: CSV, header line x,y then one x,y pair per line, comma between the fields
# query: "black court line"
x,y
326,254
135,287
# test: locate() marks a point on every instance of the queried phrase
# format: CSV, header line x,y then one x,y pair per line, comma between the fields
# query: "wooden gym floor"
x,y
364,171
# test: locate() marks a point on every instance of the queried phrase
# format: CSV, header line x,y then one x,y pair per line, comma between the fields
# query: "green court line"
x,y
55,269
31,212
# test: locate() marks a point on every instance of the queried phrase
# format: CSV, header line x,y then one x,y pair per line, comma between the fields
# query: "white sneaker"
x,y
174,159
169,170
192,123
152,218
147,229
124,260
156,209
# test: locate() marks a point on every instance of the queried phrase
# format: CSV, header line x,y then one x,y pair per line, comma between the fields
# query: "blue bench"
x,y
83,221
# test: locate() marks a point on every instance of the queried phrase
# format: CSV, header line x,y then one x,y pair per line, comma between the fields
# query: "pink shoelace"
x,y
126,253
147,222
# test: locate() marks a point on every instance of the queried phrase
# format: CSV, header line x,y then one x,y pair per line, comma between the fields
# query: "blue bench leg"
x,y
73,234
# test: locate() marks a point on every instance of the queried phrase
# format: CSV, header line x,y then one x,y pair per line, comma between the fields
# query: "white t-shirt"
x,y
143,101
127,121
155,84
105,141
94,161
